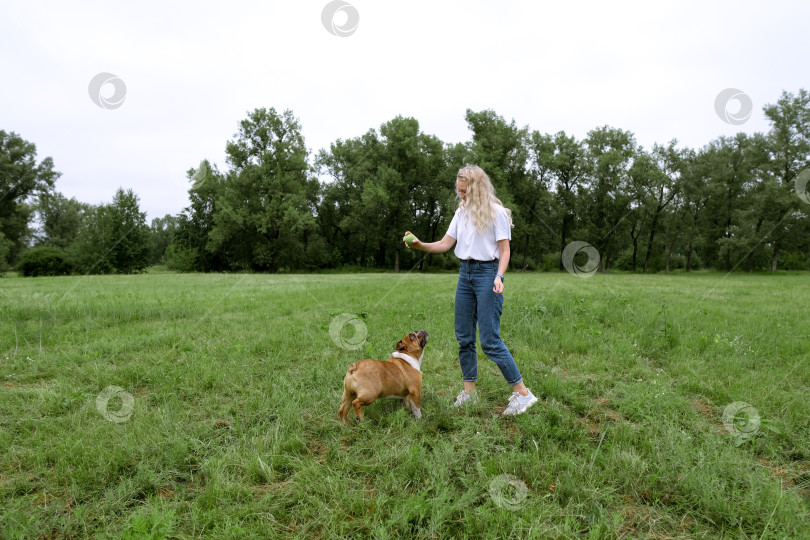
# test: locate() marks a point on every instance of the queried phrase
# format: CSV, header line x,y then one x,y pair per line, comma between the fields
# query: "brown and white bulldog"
x,y
400,377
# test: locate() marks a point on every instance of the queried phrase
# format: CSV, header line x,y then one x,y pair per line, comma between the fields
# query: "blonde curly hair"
x,y
480,197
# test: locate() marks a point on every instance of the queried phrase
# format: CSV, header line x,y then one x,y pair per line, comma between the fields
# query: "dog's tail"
x,y
351,369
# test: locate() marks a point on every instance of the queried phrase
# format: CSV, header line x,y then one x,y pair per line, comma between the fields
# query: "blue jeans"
x,y
476,302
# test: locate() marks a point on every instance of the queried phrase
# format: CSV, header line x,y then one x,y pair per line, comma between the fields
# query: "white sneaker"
x,y
518,404
465,398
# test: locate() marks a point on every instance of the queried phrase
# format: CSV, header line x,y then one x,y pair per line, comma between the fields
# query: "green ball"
x,y
410,238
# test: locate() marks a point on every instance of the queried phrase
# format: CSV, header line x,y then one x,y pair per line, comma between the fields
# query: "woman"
x,y
481,230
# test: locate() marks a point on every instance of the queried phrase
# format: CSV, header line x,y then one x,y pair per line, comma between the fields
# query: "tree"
x,y
409,187
342,217
264,218
500,148
657,182
21,178
637,220
746,234
131,248
382,185
730,164
694,198
562,160
114,238
672,226
790,155
606,202
90,252
190,248
61,219
161,235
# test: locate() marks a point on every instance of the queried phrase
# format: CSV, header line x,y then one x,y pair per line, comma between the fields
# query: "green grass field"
x,y
226,426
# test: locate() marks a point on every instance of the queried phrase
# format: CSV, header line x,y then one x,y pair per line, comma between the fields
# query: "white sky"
x,y
193,70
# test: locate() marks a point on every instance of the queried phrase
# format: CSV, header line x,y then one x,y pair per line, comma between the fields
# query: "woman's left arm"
x,y
503,264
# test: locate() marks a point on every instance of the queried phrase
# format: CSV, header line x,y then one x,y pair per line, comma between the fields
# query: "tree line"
x,y
737,203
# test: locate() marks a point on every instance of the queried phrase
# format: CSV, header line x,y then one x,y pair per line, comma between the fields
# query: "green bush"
x,y
44,261
5,247
181,259
531,263
793,261
551,262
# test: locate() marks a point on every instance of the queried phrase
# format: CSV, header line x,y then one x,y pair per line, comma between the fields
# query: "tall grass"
x,y
236,380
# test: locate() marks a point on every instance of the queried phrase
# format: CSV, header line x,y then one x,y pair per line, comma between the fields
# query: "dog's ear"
x,y
400,346
412,336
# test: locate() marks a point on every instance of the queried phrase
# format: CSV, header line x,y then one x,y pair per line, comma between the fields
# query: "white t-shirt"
x,y
483,246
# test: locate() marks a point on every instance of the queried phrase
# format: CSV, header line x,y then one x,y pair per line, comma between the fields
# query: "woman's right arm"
x,y
441,246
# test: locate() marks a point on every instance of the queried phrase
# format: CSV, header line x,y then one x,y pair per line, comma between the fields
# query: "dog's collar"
x,y
414,363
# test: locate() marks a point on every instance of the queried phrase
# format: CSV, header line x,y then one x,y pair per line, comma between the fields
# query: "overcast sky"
x,y
193,70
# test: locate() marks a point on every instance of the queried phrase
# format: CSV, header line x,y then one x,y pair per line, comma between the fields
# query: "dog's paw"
x,y
417,413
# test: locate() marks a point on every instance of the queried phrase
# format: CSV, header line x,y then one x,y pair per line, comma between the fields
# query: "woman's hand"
x,y
415,244
498,285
